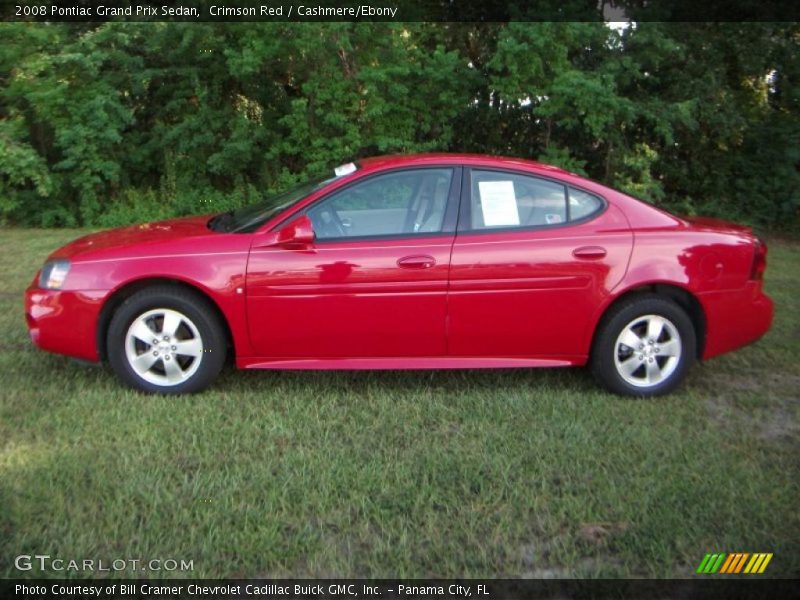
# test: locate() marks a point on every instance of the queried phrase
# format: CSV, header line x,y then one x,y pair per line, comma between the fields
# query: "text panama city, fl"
x,y
263,10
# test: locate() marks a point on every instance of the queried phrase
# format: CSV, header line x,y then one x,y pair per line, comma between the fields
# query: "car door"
x,y
374,281
532,261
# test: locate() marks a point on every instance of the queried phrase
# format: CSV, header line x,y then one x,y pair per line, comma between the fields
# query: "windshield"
x,y
249,218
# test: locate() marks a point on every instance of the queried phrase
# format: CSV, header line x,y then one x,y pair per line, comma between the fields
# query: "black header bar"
x,y
398,10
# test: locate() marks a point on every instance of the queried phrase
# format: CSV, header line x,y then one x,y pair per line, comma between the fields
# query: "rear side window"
x,y
502,200
582,204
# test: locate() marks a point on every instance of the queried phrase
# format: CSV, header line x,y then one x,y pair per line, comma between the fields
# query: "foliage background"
x,y
105,124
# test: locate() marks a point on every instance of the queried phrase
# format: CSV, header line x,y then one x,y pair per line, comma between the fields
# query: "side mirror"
x,y
299,232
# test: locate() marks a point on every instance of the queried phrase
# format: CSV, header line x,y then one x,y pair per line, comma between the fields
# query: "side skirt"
x,y
405,363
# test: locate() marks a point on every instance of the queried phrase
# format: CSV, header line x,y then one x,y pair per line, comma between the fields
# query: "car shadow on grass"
x,y
572,380
534,381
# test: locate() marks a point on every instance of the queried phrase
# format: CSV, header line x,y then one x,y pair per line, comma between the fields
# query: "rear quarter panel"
x,y
698,261
714,266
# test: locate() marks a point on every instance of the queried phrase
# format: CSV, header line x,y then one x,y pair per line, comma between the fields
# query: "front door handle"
x,y
589,252
416,262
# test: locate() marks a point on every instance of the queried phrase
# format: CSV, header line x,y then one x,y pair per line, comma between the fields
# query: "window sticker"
x,y
551,218
345,169
498,203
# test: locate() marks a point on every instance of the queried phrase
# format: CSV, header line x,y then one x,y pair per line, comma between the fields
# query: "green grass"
x,y
379,474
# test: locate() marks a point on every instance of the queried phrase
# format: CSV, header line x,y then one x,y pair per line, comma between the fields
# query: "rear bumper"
x,y
735,318
64,322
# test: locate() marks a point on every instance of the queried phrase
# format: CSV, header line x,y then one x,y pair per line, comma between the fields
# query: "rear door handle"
x,y
416,262
589,252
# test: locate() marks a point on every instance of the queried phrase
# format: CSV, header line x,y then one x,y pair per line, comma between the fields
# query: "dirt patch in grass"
x,y
781,426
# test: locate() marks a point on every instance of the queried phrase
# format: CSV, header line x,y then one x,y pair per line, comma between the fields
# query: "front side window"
x,y
502,200
402,203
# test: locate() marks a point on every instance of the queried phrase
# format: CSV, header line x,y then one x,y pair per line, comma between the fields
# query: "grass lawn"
x,y
377,474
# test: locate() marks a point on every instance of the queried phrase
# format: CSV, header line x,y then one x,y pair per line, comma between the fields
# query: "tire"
x,y
661,343
166,340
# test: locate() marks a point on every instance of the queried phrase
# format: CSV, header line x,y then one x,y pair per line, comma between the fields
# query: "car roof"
x,y
376,163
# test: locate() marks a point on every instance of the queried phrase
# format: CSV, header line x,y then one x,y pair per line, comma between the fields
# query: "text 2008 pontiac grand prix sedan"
x,y
413,262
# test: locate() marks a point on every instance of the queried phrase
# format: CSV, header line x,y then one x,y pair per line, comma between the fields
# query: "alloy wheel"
x,y
647,351
163,347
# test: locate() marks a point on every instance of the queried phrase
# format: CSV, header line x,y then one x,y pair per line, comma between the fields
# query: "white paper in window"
x,y
498,203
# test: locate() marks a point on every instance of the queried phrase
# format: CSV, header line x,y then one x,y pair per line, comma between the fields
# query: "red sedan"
x,y
414,262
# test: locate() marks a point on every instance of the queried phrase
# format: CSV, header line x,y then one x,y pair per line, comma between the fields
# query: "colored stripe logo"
x,y
736,562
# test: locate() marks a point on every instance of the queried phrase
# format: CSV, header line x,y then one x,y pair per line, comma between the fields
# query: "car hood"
x,y
141,235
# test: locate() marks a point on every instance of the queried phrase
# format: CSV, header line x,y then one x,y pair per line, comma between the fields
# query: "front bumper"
x,y
735,318
64,322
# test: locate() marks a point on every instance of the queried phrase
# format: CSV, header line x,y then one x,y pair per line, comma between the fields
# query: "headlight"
x,y
54,272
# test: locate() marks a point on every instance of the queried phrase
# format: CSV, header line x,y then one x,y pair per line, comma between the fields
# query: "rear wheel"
x,y
166,340
644,347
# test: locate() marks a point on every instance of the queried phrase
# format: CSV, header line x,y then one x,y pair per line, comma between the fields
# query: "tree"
x,y
119,122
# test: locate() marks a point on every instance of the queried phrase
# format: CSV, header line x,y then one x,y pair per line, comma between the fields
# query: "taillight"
x,y
759,260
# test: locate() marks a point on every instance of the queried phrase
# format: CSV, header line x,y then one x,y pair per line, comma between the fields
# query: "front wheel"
x,y
166,340
644,347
